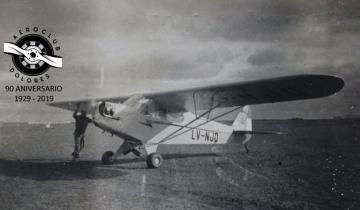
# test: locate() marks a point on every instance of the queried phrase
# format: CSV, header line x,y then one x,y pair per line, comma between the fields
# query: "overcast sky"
x,y
143,45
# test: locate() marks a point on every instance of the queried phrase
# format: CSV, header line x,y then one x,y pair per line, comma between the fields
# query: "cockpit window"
x,y
175,117
105,111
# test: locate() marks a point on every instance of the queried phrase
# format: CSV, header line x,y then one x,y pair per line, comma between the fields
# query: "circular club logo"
x,y
33,54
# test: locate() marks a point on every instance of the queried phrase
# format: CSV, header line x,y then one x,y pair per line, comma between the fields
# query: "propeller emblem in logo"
x,y
32,55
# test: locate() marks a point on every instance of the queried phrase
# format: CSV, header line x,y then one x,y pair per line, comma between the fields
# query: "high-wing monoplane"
x,y
185,116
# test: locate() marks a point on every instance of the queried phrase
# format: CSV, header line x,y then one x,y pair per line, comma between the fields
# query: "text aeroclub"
x,y
44,33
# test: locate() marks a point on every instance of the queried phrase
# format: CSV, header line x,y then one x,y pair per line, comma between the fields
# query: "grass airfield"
x,y
315,165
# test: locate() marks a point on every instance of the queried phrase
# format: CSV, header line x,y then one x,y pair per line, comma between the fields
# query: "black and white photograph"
x,y
191,104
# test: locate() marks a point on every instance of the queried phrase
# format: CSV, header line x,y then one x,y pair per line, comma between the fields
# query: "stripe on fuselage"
x,y
210,133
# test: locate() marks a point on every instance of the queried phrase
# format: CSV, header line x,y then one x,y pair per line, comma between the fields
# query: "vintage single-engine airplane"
x,y
185,116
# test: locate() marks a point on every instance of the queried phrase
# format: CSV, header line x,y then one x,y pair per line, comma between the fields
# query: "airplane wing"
x,y
289,88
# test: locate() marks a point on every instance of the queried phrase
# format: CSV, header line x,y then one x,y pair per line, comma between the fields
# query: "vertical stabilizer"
x,y
243,124
243,121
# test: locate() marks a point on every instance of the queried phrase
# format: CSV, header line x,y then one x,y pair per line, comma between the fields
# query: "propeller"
x,y
34,55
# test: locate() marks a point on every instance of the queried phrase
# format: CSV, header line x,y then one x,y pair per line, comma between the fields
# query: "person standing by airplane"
x,y
81,123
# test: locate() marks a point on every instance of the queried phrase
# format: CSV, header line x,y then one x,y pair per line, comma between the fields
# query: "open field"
x,y
314,166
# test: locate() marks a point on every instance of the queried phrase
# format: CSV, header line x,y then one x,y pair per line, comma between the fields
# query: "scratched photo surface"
x,y
120,48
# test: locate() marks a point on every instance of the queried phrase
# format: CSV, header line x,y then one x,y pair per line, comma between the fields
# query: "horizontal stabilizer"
x,y
257,132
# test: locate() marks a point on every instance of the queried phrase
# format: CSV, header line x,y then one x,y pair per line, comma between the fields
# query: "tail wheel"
x,y
154,160
107,157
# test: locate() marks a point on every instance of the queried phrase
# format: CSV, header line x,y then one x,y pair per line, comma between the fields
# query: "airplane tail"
x,y
242,125
243,121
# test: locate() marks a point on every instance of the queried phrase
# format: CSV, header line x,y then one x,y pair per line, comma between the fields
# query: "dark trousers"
x,y
79,142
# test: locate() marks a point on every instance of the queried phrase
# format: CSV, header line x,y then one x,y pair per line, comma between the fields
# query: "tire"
x,y
154,160
107,158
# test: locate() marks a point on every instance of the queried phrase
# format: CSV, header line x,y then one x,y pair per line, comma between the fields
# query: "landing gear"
x,y
154,160
108,157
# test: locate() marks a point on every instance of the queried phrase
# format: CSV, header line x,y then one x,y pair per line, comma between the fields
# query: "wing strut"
x,y
184,126
194,99
172,135
196,118
211,107
212,104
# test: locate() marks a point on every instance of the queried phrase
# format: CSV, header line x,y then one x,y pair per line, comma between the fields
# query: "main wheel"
x,y
154,160
107,157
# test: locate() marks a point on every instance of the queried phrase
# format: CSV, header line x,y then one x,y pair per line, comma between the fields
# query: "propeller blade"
x,y
51,60
11,48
